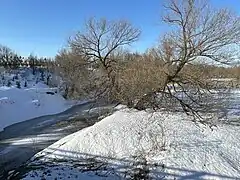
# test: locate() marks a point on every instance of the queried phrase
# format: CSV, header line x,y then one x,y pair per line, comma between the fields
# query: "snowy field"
x,y
28,101
139,144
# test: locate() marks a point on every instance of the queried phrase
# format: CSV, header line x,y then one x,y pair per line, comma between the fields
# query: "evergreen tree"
x,y
18,84
42,75
25,84
32,62
9,83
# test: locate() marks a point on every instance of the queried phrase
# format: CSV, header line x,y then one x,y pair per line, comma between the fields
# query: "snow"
x,y
33,141
110,131
17,105
173,146
223,79
66,173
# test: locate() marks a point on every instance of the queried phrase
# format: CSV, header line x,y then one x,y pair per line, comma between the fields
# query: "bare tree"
x,y
6,55
199,33
99,44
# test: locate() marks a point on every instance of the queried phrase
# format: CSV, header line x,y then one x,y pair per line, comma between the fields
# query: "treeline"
x,y
9,59
217,72
224,72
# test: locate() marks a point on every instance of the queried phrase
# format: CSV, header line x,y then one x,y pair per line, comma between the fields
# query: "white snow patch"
x,y
190,151
31,140
36,139
63,172
17,105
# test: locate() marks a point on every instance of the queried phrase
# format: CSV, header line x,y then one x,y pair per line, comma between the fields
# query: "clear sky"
x,y
42,26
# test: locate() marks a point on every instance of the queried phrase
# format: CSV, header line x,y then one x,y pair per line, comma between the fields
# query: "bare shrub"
x,y
138,77
72,69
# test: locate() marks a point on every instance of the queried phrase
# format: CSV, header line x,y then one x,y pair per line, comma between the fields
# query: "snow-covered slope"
x,y
171,144
120,135
19,104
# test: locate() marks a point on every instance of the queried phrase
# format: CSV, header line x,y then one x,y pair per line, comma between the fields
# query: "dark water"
x,y
49,128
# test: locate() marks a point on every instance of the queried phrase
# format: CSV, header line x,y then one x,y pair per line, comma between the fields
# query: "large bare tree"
x,y
99,45
200,33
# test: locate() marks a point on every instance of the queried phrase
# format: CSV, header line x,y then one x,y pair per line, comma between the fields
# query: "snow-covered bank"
x,y
17,105
32,99
171,144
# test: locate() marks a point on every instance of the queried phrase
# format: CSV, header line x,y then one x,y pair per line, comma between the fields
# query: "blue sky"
x,y
42,26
